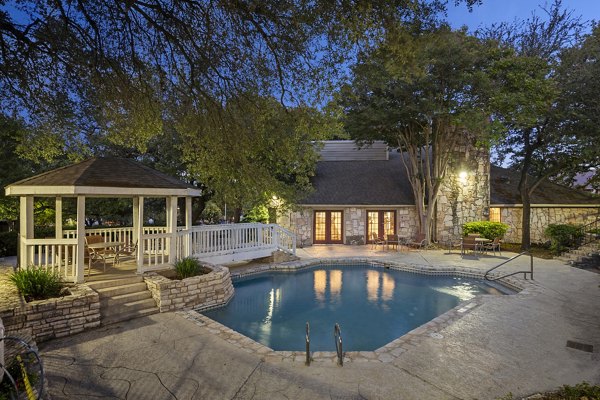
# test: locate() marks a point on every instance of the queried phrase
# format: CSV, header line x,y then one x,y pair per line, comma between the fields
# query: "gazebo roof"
x,y
103,176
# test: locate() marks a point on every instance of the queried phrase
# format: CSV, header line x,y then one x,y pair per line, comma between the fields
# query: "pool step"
x,y
124,299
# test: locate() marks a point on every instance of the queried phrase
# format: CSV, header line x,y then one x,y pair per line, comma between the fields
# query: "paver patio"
x,y
503,344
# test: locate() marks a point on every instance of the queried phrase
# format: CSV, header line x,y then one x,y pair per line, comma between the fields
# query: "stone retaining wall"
x,y
198,292
541,217
52,318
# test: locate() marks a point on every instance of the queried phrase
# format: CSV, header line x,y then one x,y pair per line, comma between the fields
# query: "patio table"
x,y
479,242
106,245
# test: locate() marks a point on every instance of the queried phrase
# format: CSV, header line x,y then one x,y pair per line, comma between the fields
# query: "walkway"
x,y
506,344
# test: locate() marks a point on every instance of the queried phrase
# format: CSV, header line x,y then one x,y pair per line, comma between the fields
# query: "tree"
x,y
258,150
537,104
96,77
420,91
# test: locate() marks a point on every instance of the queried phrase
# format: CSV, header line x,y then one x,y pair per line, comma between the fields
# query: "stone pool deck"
x,y
497,345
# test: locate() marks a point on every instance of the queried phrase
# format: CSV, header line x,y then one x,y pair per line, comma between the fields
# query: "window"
x,y
495,214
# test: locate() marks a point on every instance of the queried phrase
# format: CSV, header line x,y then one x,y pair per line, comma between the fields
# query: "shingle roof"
x,y
361,183
385,183
504,189
104,172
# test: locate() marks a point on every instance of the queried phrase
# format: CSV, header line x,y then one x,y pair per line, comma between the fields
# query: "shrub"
x,y
8,243
563,236
211,213
258,213
187,267
487,229
37,283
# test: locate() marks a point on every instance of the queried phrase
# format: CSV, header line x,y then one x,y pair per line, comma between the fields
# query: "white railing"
x,y
215,240
155,249
204,241
121,234
56,255
286,240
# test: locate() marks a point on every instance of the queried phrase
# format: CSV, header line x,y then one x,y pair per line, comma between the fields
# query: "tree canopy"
x,y
543,100
421,91
129,78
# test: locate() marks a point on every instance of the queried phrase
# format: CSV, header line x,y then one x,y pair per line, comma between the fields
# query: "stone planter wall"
x,y
52,318
198,292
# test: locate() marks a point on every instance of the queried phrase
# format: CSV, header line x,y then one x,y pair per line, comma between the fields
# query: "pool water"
x,y
373,305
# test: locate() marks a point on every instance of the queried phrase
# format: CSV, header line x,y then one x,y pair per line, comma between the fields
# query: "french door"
x,y
328,227
382,223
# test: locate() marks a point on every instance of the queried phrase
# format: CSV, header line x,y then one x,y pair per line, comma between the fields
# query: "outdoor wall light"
x,y
462,176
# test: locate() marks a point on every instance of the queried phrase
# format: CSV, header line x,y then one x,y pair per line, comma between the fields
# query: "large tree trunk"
x,y
525,192
526,219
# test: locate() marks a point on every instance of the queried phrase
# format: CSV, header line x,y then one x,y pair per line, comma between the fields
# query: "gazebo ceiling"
x,y
102,177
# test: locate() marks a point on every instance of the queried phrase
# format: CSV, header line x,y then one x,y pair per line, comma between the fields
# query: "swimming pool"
x,y
373,305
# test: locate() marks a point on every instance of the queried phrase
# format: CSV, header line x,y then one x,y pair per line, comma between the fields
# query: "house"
x,y
360,191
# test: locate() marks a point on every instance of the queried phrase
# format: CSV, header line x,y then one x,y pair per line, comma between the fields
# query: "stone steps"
x,y
124,299
576,256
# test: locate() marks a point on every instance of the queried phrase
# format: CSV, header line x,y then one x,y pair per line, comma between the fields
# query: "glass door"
x,y
382,223
328,227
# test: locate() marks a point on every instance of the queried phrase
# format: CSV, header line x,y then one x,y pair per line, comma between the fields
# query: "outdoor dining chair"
x,y
97,254
375,240
493,246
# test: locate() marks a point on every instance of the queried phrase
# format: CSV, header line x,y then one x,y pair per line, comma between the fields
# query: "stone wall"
x,y
541,217
52,318
464,197
355,223
300,222
198,292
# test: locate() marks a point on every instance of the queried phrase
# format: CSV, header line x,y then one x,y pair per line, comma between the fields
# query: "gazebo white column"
x,y
172,227
80,260
58,220
25,229
138,230
188,226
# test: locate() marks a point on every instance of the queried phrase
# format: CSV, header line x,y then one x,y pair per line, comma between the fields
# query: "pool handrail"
x,y
337,335
530,272
307,362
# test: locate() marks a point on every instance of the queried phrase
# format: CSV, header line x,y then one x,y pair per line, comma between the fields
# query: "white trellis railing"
x,y
214,243
55,255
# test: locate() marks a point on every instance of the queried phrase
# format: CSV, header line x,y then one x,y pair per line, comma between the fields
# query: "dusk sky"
x,y
492,11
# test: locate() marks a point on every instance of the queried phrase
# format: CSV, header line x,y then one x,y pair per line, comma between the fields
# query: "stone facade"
x,y
53,318
465,193
541,217
355,223
198,292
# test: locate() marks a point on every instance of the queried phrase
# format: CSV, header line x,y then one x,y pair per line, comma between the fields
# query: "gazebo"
x,y
110,178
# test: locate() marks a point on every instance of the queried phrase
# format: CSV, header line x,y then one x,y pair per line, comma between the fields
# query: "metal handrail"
x,y
585,239
30,393
307,362
530,272
337,335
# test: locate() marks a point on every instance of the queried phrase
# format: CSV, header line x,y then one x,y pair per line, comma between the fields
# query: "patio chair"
x,y
128,251
99,254
452,244
418,241
468,243
375,240
393,240
493,246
